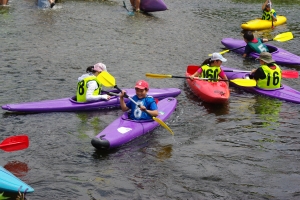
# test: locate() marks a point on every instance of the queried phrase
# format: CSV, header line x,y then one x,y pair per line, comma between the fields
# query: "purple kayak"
x,y
281,56
70,104
153,5
285,93
123,130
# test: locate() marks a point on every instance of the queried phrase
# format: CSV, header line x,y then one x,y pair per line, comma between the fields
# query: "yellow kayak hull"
x,y
259,24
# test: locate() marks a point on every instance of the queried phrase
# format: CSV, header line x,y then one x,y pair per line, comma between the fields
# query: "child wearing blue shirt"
x,y
147,103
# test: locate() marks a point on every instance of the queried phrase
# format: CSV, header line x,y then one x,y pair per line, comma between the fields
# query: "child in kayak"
x,y
254,44
268,12
88,87
211,68
147,103
268,75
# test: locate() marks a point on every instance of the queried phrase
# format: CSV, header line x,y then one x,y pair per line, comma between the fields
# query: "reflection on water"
x,y
268,110
17,168
164,152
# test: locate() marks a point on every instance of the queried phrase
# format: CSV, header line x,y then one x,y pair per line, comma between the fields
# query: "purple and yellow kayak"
x,y
153,5
71,105
123,130
281,56
285,93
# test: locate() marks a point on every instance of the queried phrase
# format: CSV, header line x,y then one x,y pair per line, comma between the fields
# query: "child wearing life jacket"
x,y
147,103
268,75
88,87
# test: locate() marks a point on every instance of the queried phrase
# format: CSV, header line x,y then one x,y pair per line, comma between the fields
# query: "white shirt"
x,y
92,86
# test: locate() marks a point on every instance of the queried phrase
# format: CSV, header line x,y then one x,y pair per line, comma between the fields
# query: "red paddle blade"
x,y
15,143
289,74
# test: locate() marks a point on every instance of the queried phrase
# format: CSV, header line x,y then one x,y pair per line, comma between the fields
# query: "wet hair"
x,y
248,36
90,69
208,61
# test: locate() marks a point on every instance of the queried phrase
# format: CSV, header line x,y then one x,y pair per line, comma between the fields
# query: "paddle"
x,y
109,81
284,73
15,143
130,13
272,14
283,37
239,81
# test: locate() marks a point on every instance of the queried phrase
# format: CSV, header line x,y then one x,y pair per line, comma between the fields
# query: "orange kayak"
x,y
207,91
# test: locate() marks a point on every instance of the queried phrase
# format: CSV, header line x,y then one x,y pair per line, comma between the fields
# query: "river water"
x,y
246,149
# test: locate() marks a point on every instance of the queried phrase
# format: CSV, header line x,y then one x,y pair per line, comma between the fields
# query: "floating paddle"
x,y
284,73
283,37
15,143
239,81
109,81
130,13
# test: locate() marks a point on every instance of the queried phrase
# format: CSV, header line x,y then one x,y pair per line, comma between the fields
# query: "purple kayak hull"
x,y
153,5
70,105
123,130
285,93
281,56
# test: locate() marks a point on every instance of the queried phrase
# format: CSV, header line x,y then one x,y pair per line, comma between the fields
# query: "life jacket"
x,y
136,113
258,46
82,88
210,72
267,15
273,78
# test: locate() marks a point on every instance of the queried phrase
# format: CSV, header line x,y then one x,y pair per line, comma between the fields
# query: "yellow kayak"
x,y
258,24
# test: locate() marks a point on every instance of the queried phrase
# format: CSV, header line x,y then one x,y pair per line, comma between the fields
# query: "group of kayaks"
x,y
123,130
218,92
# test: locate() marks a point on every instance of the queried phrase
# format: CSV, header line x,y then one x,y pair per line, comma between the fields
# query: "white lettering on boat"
x,y
124,130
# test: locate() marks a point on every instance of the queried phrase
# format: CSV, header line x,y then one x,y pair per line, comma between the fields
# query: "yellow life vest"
x,y
267,15
210,72
272,80
82,88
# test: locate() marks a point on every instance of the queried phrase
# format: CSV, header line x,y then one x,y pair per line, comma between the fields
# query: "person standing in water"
x,y
135,5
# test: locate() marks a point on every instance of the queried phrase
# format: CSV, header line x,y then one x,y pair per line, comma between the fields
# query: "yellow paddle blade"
x,y
222,52
149,75
106,79
244,82
163,124
284,37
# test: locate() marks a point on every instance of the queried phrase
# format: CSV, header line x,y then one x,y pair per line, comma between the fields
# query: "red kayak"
x,y
208,91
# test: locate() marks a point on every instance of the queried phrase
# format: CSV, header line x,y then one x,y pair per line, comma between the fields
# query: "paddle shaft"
x,y
272,14
129,12
125,95
200,78
284,73
111,93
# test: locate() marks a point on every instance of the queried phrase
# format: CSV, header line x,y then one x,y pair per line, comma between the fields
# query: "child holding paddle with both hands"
x,y
147,103
211,68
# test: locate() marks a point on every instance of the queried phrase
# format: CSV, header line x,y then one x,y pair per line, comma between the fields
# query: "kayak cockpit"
x,y
272,49
74,100
125,117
